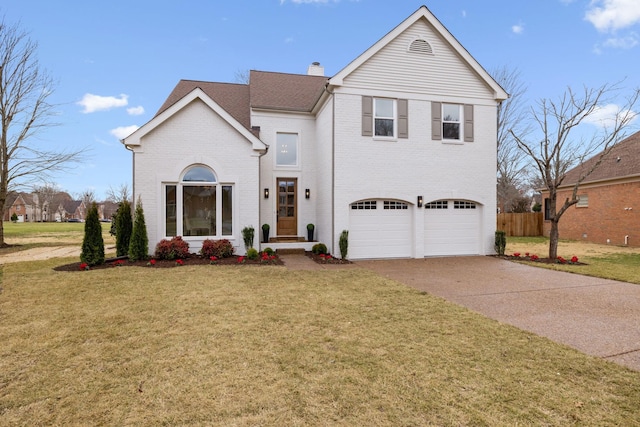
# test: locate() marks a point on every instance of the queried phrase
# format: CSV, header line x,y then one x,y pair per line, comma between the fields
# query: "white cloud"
x,y
611,15
605,116
464,13
627,42
135,111
518,28
93,103
123,131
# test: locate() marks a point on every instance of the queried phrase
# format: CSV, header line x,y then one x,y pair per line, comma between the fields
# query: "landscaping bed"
x,y
192,259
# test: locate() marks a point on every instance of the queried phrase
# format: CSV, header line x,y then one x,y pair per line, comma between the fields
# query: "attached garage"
x,y
452,227
380,229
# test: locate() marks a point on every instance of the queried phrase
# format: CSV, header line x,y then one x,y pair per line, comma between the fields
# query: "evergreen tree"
x,y
124,227
92,244
139,244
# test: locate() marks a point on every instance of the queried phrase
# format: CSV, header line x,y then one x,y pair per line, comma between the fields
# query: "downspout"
x,y
333,165
133,171
260,156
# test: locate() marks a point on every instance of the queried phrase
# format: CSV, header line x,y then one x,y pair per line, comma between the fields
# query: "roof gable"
x,y
622,161
422,14
173,108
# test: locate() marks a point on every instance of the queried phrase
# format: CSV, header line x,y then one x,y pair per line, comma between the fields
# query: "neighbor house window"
x,y
452,122
547,209
198,205
583,201
287,149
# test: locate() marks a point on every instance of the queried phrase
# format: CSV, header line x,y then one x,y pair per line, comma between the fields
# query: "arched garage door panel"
x,y
380,229
452,227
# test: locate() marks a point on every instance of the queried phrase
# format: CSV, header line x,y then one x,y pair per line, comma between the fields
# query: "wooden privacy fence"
x,y
528,224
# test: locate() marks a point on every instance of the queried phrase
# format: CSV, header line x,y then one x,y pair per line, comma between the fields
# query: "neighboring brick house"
x,y
70,209
608,210
398,148
25,207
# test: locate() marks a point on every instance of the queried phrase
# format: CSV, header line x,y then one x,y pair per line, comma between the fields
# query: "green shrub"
x,y
253,253
269,251
319,249
92,243
217,248
124,227
344,244
172,249
14,217
500,242
139,243
247,235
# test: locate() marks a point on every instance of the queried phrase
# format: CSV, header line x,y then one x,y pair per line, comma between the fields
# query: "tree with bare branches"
x,y
25,89
119,194
555,150
512,167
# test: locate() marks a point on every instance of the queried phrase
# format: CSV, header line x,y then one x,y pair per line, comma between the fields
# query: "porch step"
x,y
290,251
287,239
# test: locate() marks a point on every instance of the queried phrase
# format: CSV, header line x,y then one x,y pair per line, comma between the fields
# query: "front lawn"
x,y
235,345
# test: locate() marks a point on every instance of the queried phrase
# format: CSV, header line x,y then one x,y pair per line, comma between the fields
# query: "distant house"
x,y
70,209
398,148
11,198
24,207
608,210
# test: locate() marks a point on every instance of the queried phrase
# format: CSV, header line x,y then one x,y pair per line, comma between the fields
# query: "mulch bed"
x,y
326,259
192,259
539,260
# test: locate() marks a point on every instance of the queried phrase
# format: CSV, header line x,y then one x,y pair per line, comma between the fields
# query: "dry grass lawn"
x,y
247,346
606,261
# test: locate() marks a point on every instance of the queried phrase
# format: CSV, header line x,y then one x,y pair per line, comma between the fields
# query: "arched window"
x,y
198,205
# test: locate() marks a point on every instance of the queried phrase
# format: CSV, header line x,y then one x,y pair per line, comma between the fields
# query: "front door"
x,y
287,208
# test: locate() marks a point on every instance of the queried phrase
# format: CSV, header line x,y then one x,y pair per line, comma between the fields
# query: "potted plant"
x,y
265,233
310,228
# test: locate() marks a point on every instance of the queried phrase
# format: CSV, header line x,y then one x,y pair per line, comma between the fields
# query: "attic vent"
x,y
420,46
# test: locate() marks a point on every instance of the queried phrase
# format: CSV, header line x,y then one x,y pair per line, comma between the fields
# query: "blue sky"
x,y
117,61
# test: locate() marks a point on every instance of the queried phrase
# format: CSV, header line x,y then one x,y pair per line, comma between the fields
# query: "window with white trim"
x,y
439,204
287,149
451,119
461,204
393,205
198,205
364,205
384,116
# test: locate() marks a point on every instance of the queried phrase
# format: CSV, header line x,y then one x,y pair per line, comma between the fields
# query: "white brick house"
x,y
399,148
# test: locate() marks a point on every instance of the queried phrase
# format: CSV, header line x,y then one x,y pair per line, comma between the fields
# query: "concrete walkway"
x,y
596,316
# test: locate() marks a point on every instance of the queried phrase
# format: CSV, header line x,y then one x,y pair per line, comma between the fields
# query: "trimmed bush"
x,y
217,248
247,235
253,253
124,226
92,243
500,242
172,249
319,249
139,243
344,244
269,251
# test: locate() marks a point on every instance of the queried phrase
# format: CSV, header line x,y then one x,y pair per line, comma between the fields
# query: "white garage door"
x,y
452,227
380,229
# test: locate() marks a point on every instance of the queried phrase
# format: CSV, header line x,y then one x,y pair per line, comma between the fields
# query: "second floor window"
x,y
287,149
384,116
451,121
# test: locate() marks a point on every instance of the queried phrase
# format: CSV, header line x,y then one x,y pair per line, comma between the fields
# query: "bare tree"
x,y
554,151
88,196
241,76
512,167
45,194
119,194
24,111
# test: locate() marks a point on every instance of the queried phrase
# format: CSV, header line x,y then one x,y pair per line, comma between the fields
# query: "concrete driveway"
x,y
596,316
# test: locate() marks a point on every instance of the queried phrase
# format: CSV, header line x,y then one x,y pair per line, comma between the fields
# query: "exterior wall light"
x,y
307,193
266,193
419,201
